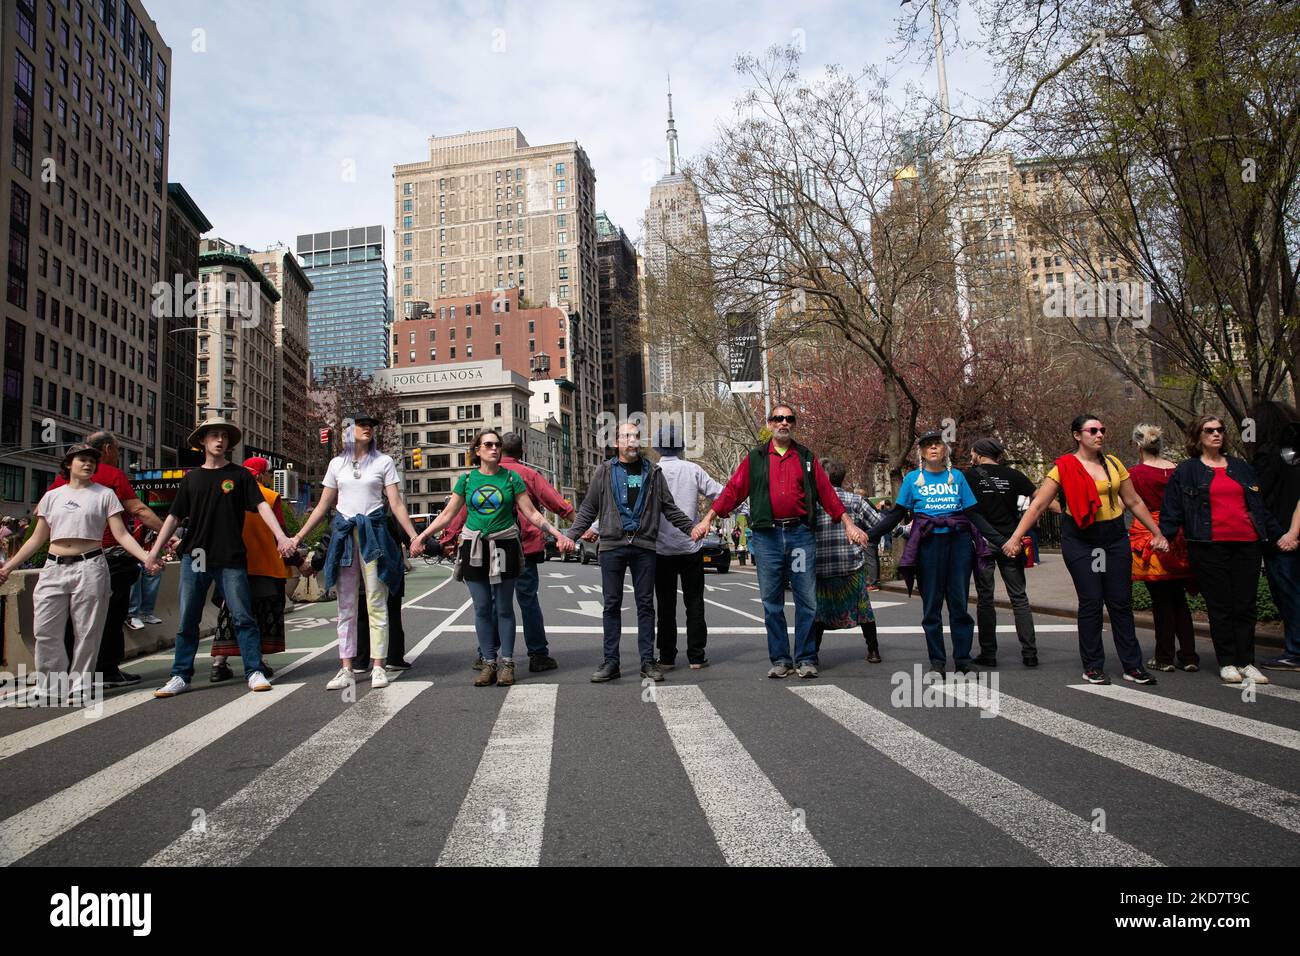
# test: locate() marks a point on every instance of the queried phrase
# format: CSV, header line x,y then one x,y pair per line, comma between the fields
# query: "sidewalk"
x,y
1051,591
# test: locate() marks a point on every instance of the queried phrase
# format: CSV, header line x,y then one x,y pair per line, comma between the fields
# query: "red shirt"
x,y
544,497
1149,482
785,484
1229,519
110,477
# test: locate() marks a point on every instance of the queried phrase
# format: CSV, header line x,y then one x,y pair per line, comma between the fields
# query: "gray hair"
x,y
100,440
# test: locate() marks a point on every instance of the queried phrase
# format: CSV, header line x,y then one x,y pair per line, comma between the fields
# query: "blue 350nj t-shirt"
x,y
936,495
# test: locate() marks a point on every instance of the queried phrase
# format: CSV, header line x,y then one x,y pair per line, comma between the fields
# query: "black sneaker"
x,y
938,667
966,668
651,670
1031,660
666,665
986,660
221,672
541,662
1096,677
606,671
394,666
121,679
700,664
1139,676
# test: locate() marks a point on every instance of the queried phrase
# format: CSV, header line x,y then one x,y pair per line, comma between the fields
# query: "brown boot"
x,y
487,675
506,674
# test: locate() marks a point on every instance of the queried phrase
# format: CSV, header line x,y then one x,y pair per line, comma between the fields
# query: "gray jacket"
x,y
600,503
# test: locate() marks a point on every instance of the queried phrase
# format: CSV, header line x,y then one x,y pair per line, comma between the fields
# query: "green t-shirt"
x,y
489,499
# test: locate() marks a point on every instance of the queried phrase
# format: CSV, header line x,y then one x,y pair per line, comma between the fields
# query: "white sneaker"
x,y
379,677
1230,675
135,624
174,686
344,678
152,619
1251,672
257,681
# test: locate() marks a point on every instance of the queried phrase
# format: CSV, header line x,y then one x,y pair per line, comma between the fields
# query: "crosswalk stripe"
x,y
753,824
1047,830
502,817
56,727
1268,690
306,658
243,822
745,629
1221,720
31,829
414,653
1259,799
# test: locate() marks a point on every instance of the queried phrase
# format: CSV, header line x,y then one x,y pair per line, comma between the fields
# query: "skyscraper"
x,y
290,330
185,227
674,226
83,191
487,212
621,370
349,311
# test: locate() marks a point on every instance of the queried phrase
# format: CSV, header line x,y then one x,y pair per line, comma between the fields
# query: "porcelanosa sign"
x,y
457,376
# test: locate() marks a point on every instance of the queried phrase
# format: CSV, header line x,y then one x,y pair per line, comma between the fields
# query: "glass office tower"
x,y
349,313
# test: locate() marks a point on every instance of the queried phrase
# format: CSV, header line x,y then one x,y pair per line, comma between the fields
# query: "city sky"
x,y
288,117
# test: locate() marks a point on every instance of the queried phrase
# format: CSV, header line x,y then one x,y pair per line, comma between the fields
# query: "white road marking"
x,y
1231,789
56,727
734,610
1050,832
502,818
1220,720
30,829
1269,690
245,820
753,824
414,653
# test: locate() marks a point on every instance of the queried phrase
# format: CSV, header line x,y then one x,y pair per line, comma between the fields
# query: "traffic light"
x,y
417,458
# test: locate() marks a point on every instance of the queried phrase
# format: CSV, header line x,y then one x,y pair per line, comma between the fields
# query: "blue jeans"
x,y
613,563
494,617
144,595
1283,572
780,555
232,583
945,566
531,609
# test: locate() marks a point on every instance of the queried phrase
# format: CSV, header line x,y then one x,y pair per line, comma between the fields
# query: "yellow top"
x,y
1112,505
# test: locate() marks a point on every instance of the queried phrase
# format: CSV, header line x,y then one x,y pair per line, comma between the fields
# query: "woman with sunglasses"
x,y
360,551
1093,489
490,554
1214,499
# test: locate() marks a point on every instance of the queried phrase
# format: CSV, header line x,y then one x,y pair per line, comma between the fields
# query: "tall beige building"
x,y
289,328
236,351
83,196
674,226
486,211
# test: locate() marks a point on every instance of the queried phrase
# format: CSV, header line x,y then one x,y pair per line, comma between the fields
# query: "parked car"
x,y
716,553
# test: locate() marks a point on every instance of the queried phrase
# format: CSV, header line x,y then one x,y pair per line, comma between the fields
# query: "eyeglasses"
x,y
1212,430
1095,430
778,419
490,444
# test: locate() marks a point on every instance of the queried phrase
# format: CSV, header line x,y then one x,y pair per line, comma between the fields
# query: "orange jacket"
x,y
263,558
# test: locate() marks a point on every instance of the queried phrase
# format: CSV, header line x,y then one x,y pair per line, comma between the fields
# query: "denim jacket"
x,y
1187,501
376,543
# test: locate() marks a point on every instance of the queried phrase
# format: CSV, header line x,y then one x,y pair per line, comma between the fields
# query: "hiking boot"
x,y
220,672
487,675
1156,665
506,674
807,669
779,671
651,670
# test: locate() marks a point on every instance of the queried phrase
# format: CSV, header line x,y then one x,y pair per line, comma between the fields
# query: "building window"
x,y
408,205
407,189
559,169
560,185
12,483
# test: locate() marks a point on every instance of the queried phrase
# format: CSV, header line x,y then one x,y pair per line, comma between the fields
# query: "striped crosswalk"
x,y
726,745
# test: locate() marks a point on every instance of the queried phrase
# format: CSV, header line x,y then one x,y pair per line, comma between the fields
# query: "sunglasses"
x,y
1213,430
490,444
1095,430
777,419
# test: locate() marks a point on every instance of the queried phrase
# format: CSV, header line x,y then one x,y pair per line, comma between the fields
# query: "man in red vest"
x,y
784,482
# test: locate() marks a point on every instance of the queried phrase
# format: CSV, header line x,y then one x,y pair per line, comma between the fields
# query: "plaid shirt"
x,y
836,556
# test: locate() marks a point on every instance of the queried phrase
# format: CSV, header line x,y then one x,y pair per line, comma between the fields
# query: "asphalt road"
x,y
713,767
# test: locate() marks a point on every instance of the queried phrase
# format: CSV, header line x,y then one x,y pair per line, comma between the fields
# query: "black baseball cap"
x,y
933,435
